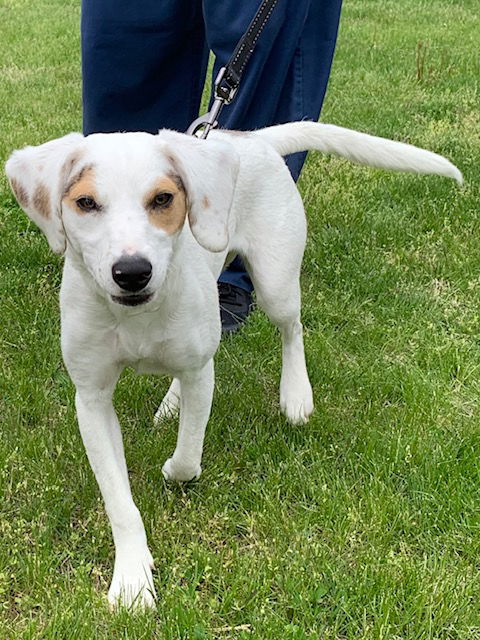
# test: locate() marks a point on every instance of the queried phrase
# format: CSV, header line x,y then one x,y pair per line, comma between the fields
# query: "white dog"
x,y
146,223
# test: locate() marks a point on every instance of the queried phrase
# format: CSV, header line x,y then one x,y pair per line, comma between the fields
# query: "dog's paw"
x,y
297,405
175,472
169,407
132,585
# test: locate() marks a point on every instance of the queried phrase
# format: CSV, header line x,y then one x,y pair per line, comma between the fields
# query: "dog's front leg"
x,y
196,391
132,576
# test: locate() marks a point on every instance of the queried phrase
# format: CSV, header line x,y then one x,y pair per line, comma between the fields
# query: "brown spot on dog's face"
x,y
166,204
205,202
77,178
81,186
41,200
20,193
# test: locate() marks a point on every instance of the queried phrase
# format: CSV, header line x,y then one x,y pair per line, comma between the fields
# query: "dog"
x,y
146,223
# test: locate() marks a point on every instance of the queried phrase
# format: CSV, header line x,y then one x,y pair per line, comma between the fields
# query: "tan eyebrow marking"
x,y
82,184
75,179
176,172
170,219
177,179
20,193
69,164
41,200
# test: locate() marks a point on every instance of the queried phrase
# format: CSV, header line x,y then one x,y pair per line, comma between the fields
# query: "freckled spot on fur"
x,y
41,200
20,193
205,202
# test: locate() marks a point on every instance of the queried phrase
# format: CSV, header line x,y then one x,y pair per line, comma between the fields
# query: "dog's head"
x,y
120,201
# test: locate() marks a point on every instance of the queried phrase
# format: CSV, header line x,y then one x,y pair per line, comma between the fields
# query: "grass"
x,y
362,525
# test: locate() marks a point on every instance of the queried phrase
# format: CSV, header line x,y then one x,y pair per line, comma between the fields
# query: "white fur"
x,y
357,147
241,199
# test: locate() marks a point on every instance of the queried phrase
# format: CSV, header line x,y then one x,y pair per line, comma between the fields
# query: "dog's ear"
x,y
208,170
37,176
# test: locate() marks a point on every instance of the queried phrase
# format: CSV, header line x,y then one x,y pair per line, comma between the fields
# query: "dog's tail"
x,y
357,147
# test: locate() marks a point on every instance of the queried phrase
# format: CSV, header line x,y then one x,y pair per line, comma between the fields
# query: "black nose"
x,y
132,273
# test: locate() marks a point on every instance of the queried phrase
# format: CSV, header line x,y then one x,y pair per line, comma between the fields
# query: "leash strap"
x,y
229,77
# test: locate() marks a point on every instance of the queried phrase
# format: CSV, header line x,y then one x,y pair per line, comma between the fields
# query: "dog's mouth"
x,y
132,300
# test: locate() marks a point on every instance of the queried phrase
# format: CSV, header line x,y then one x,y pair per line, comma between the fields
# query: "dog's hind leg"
x,y
276,282
170,404
296,397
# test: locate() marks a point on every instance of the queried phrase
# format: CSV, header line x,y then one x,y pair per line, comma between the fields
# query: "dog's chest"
x,y
143,346
149,347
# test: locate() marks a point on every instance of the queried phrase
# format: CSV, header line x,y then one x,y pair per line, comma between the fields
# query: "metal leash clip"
x,y
224,94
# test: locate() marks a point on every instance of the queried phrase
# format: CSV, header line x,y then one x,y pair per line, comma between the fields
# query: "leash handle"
x,y
229,77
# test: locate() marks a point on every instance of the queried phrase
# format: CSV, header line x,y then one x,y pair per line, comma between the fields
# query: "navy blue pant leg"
x,y
306,82
143,64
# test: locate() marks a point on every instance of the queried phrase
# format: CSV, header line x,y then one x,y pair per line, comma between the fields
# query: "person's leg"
x,y
307,78
143,64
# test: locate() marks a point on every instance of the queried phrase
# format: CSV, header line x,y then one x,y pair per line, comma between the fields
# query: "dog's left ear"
x,y
208,170
37,176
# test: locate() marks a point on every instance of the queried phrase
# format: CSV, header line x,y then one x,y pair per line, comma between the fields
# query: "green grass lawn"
x,y
364,524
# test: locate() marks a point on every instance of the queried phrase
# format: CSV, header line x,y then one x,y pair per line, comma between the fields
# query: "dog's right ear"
x,y
37,176
208,169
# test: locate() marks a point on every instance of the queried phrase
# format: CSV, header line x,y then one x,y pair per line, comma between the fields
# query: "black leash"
x,y
229,77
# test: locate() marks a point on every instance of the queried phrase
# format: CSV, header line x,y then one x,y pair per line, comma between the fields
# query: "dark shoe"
x,y
235,305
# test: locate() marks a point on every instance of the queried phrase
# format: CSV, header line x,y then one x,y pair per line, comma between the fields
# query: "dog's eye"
x,y
162,200
87,204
